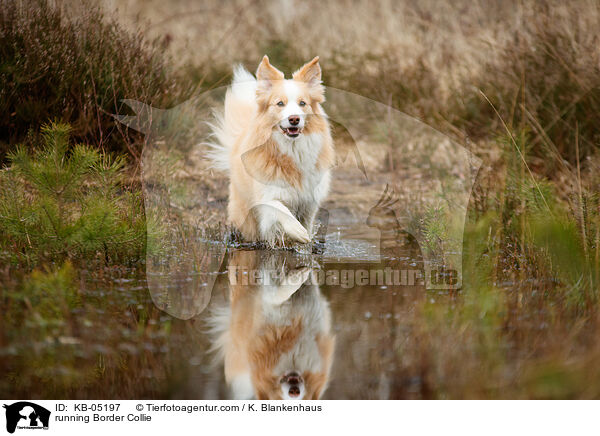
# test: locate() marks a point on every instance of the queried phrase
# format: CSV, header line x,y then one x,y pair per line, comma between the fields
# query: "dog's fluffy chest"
x,y
310,305
304,152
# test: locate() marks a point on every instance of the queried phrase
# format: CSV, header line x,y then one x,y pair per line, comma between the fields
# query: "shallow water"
x,y
122,341
368,323
353,296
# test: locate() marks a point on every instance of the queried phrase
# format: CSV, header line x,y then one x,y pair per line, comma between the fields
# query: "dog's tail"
x,y
229,126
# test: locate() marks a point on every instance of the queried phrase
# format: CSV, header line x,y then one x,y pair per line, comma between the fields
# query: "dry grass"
x,y
537,61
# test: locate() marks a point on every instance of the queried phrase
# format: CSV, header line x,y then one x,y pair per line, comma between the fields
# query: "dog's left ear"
x,y
309,73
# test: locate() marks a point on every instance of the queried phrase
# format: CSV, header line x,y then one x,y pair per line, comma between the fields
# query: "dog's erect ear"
x,y
309,73
267,72
266,75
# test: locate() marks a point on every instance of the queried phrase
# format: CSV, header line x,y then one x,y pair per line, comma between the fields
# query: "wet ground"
x,y
156,330
356,293
115,342
363,306
343,317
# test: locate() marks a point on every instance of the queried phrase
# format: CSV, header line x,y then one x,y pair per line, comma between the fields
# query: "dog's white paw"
x,y
297,277
279,294
273,216
296,231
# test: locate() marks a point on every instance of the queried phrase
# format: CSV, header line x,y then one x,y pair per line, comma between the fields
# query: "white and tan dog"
x,y
274,335
275,142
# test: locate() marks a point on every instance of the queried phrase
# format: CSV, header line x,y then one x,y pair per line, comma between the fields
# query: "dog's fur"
x,y
279,171
274,337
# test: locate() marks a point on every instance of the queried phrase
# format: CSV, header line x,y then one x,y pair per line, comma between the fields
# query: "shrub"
x,y
546,77
76,70
62,201
530,239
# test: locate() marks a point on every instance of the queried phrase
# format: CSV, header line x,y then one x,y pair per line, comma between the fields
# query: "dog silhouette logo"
x,y
26,415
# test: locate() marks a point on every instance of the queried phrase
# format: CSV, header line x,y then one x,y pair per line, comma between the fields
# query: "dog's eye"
x,y
280,103
302,103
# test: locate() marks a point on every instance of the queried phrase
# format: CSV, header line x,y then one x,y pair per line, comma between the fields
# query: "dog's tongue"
x,y
291,131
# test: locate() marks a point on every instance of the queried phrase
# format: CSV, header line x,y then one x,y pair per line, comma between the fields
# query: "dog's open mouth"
x,y
292,132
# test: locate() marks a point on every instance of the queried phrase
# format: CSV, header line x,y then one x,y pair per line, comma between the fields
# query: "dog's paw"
x,y
297,276
280,293
274,216
296,231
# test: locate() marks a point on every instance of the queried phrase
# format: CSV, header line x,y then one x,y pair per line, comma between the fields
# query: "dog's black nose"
x,y
294,391
294,120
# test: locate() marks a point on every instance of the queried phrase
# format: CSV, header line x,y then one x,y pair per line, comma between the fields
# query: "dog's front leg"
x,y
306,216
274,218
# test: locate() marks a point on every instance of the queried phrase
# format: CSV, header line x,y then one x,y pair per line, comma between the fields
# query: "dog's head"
x,y
291,106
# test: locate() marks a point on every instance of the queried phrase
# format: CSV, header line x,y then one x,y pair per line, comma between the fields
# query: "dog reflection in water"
x,y
274,335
